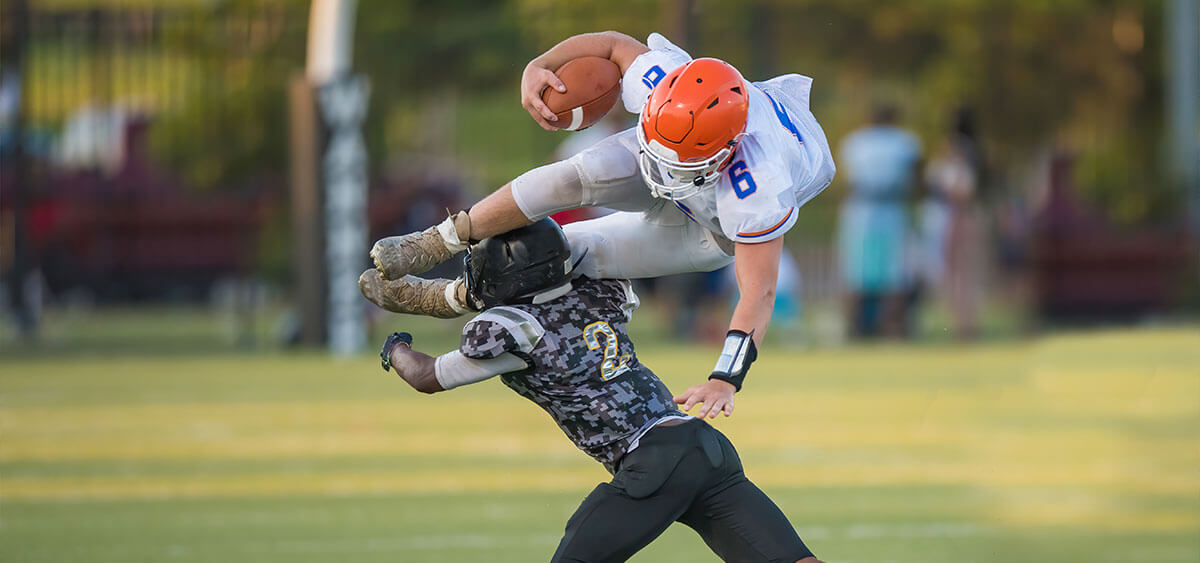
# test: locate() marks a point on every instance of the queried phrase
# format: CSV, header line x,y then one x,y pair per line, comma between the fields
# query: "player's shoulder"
x,y
501,329
759,203
615,295
759,167
648,69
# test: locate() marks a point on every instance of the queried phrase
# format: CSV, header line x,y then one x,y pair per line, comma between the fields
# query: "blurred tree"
x,y
232,128
419,55
415,54
1080,74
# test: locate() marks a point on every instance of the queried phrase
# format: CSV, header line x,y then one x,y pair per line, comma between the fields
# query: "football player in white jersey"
x,y
714,172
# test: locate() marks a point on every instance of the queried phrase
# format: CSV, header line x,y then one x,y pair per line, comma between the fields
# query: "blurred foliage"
x,y
233,127
1078,75
419,54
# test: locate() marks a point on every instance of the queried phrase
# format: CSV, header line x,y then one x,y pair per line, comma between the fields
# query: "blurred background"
x,y
150,154
188,189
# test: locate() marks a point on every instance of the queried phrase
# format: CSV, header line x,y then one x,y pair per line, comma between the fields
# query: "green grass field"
x,y
1078,447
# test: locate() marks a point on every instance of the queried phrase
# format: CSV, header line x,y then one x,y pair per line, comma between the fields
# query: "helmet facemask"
x,y
670,178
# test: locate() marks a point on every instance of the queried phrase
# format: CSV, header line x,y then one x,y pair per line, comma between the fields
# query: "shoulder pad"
x,y
525,329
647,69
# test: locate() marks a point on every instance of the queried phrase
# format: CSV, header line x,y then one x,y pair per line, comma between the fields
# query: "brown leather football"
x,y
593,86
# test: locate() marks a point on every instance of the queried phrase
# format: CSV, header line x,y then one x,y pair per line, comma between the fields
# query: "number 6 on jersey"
x,y
613,364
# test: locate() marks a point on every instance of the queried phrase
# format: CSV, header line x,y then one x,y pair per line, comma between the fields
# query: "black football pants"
x,y
689,473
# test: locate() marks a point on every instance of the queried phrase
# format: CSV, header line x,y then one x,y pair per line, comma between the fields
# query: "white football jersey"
x,y
782,161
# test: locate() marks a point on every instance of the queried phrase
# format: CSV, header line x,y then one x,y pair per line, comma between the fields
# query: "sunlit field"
x,y
1077,447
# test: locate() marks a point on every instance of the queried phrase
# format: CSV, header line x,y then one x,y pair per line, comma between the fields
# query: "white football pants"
x,y
647,237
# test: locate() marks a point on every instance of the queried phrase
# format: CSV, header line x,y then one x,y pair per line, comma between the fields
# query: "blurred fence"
x,y
113,199
149,58
155,137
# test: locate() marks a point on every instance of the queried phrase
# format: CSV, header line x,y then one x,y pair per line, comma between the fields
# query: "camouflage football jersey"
x,y
583,368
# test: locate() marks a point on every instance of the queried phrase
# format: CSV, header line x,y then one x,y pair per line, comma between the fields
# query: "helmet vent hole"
x,y
673,79
713,104
737,90
699,81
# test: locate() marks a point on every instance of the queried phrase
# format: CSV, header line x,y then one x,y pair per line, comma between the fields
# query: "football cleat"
x,y
417,253
440,298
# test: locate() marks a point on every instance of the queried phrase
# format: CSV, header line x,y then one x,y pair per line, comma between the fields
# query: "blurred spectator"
x,y
950,223
881,162
93,138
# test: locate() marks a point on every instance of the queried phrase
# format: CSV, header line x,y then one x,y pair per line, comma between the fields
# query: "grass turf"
x,y
1079,447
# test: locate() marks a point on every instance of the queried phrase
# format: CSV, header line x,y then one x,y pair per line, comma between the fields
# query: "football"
x,y
593,86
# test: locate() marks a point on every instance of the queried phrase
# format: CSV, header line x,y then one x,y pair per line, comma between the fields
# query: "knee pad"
x,y
548,189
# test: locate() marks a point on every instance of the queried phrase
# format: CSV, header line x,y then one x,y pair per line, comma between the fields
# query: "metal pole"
x,y
1183,101
307,224
22,259
341,172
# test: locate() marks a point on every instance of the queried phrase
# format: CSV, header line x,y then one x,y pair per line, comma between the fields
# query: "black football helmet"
x,y
516,266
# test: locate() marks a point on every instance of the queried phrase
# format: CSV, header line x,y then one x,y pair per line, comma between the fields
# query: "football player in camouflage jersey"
x,y
562,344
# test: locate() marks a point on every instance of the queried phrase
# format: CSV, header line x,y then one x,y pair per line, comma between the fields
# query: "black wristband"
x,y
736,356
385,355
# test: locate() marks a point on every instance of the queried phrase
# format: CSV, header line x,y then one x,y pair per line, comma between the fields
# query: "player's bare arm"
x,y
757,267
415,368
539,73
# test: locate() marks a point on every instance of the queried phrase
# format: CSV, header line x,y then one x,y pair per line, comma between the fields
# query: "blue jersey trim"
x,y
786,121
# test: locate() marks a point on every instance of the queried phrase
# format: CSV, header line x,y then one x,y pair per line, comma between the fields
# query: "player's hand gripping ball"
x,y
392,340
593,86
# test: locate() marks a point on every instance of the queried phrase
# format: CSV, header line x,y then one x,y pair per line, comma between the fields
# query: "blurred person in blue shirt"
x,y
881,161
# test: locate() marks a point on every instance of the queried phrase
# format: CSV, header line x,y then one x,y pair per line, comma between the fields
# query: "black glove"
x,y
392,340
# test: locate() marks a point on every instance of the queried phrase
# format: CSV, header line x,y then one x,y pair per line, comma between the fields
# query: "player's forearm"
x,y
615,46
753,312
757,267
417,369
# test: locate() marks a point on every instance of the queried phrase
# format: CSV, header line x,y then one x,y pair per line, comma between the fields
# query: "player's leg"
x,y
444,299
654,485
604,175
611,526
738,521
644,245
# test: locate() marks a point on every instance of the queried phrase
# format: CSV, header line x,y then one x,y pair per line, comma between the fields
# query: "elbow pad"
x,y
736,356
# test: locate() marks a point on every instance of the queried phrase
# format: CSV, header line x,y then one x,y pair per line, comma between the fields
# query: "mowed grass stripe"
x,y
1081,435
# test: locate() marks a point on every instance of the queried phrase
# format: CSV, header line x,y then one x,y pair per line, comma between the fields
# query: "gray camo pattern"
x,y
600,417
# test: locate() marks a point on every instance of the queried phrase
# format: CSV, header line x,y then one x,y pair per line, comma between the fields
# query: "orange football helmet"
x,y
690,126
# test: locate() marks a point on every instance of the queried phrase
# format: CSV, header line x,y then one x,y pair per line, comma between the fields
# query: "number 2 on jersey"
x,y
613,364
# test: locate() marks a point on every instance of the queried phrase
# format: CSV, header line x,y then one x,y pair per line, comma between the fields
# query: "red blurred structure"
x,y
1085,269
136,233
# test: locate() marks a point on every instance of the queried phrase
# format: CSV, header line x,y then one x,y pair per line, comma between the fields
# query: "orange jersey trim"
x,y
772,228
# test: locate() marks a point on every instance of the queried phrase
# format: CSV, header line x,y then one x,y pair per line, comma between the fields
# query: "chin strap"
x,y
736,356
